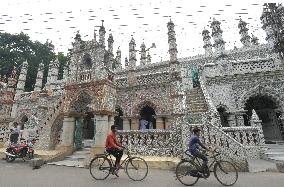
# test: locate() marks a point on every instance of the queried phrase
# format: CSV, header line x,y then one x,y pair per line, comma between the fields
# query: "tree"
x,y
17,48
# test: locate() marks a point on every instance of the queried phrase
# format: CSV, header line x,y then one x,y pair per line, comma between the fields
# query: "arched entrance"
x,y
223,116
267,110
88,126
118,121
147,113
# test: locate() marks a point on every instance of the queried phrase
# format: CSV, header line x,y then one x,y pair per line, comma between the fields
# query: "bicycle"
x,y
102,165
188,170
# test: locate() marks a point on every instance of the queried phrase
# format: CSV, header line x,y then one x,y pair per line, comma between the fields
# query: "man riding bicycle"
x,y
194,141
114,148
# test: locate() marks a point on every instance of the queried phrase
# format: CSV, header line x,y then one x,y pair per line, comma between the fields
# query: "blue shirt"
x,y
193,144
143,124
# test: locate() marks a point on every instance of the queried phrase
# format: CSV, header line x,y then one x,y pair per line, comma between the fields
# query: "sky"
x,y
145,20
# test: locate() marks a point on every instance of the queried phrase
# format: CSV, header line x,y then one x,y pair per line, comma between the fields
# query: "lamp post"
x,y
274,16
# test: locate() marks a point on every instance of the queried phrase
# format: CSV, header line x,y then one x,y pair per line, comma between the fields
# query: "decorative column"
x,y
207,42
126,123
118,59
134,123
219,43
101,133
11,105
102,33
126,63
143,54
68,132
256,122
132,54
245,38
39,77
22,78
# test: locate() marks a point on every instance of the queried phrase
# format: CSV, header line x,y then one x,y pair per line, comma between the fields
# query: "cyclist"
x,y
194,143
114,148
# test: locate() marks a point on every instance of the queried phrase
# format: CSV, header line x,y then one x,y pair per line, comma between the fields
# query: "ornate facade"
x,y
235,96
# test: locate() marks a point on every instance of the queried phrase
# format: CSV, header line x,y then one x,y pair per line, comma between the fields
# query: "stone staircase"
x,y
196,101
77,159
275,152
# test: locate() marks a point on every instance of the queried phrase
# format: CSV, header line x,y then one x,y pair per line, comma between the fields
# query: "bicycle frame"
x,y
124,162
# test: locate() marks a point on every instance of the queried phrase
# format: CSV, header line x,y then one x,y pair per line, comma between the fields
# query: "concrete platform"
x,y
260,165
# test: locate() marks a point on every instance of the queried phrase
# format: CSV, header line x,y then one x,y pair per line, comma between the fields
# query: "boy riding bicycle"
x,y
194,143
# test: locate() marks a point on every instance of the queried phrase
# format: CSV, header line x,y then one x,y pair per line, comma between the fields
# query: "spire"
x,y
102,33
245,38
22,78
110,43
126,63
219,43
207,43
172,41
118,59
39,77
143,54
132,54
52,74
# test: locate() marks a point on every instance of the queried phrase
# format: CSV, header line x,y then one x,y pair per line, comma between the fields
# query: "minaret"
x,y
22,78
254,40
38,84
110,50
219,43
52,74
118,59
172,41
207,42
126,63
132,54
102,33
245,38
110,44
143,54
148,60
268,28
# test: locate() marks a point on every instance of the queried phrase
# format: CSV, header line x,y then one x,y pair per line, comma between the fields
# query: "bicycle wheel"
x,y
136,168
187,173
226,173
100,167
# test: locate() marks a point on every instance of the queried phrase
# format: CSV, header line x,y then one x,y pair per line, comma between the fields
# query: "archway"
x,y
223,116
147,113
118,121
267,110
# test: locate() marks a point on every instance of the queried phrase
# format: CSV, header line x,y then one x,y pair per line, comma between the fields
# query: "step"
x,y
277,158
274,153
75,157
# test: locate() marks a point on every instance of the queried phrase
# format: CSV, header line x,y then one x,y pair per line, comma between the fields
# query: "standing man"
x,y
114,148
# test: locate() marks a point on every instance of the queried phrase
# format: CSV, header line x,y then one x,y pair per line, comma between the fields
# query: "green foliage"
x,y
17,48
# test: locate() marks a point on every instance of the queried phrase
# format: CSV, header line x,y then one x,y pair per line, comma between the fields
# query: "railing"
x,y
247,136
152,142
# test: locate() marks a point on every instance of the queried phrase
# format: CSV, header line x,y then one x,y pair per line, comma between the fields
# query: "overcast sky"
x,y
59,20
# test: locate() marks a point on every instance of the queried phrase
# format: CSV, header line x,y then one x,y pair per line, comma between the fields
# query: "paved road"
x,y
20,174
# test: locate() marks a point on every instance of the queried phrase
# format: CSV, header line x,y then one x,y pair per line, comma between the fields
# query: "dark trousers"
x,y
202,157
117,154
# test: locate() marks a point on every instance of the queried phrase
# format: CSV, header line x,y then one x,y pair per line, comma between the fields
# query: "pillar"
x,y
169,122
126,124
101,133
134,123
110,122
68,131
